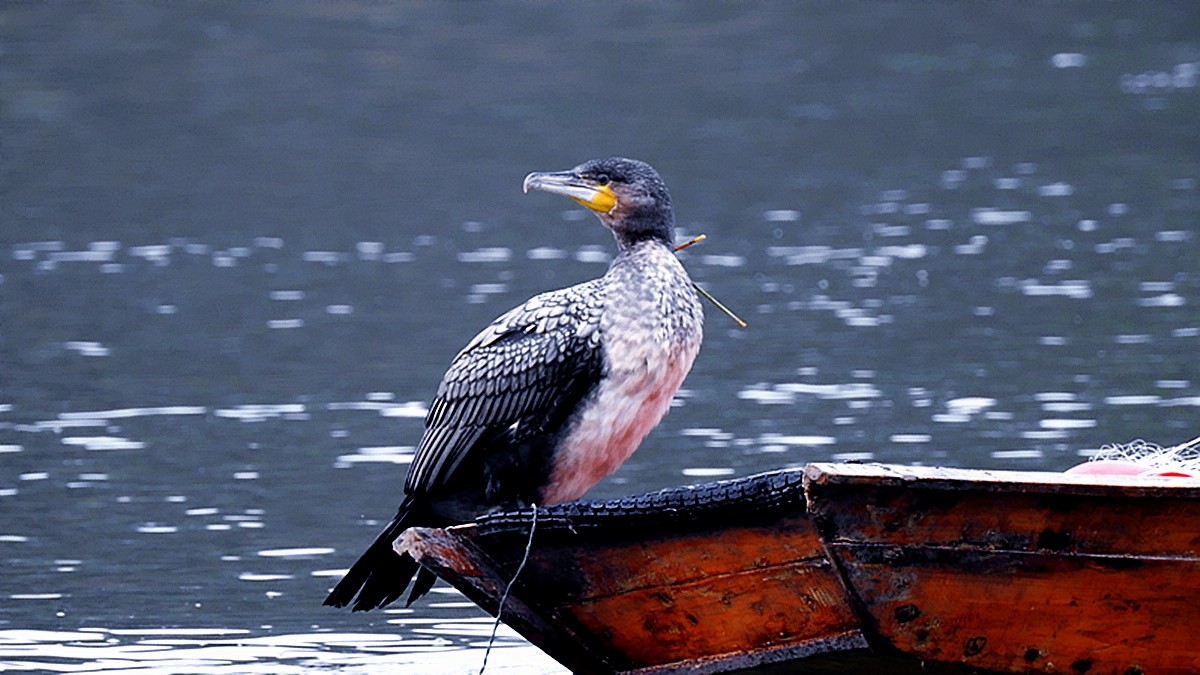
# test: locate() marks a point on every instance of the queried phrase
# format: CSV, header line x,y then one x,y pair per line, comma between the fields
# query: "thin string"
x,y
508,588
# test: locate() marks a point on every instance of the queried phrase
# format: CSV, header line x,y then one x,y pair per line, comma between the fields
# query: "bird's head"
x,y
628,196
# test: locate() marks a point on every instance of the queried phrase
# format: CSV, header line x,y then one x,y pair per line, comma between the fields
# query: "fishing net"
x,y
1182,458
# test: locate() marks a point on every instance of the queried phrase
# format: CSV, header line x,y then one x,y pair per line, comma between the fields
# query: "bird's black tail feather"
x,y
380,575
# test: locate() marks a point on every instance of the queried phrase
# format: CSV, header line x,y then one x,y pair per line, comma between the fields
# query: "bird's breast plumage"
x,y
650,331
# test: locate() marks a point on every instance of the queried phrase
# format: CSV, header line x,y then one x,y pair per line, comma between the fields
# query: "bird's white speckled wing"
x,y
515,376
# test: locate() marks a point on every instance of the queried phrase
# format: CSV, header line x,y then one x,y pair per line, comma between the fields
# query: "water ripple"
x,y
224,651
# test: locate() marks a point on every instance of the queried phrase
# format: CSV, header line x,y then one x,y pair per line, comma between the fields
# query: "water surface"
x,y
239,245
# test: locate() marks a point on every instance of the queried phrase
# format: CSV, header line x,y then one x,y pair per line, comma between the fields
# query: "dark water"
x,y
240,243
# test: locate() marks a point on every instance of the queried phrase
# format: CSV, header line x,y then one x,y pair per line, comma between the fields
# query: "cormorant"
x,y
557,393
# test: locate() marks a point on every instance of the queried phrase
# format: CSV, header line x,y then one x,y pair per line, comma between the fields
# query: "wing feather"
x,y
509,378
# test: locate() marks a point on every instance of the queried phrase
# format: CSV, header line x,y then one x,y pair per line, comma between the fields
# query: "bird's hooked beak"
x,y
597,197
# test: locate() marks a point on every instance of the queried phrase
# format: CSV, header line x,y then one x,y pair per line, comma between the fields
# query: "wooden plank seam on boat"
x,y
985,571
1017,572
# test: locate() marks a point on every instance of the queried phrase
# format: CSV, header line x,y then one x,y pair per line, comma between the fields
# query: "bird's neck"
x,y
645,269
635,225
631,251
628,243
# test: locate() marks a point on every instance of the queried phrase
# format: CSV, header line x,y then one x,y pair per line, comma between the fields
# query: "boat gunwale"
x,y
1028,482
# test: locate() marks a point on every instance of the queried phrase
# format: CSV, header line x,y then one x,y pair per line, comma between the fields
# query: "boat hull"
x,y
839,566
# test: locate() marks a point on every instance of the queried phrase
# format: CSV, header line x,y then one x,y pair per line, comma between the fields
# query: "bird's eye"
x,y
603,179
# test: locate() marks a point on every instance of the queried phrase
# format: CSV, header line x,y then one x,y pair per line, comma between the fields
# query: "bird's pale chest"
x,y
651,331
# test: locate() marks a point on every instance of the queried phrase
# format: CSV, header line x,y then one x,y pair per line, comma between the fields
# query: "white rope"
x,y
508,588
1183,457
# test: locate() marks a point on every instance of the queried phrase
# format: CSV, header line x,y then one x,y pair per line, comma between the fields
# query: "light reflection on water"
x,y
228,651
209,394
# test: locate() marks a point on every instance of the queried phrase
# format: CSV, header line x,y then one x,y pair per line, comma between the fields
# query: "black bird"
x,y
557,393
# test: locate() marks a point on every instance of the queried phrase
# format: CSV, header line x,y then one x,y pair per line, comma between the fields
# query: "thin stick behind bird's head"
x,y
706,294
694,240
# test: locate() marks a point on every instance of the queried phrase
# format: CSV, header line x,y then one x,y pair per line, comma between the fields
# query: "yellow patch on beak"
x,y
602,199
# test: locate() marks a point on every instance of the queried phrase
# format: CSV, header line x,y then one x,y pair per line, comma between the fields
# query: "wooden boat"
x,y
844,567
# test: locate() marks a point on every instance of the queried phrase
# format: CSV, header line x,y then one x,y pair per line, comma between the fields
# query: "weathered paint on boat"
x,y
1017,572
839,566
